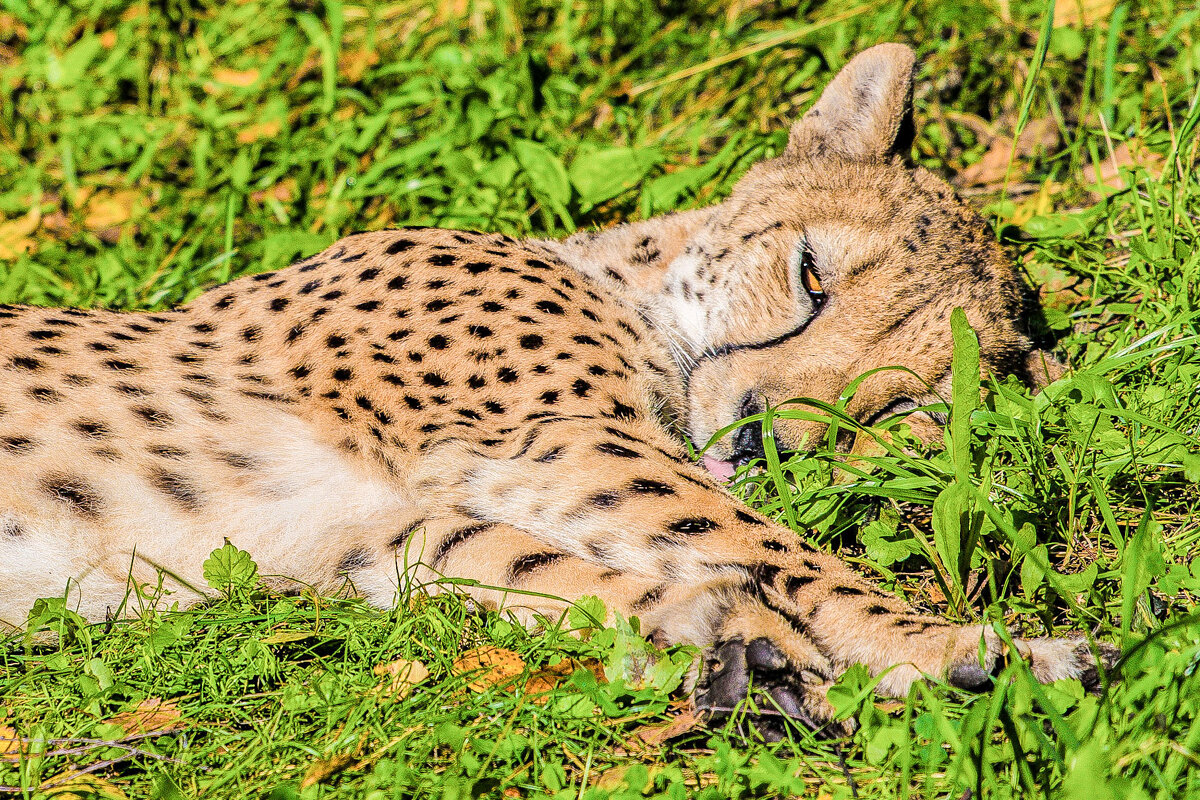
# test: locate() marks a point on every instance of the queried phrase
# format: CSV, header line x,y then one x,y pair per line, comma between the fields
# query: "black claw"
x,y
732,667
971,677
1093,673
763,655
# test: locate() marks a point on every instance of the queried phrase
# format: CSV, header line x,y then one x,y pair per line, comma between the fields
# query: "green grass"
x,y
149,150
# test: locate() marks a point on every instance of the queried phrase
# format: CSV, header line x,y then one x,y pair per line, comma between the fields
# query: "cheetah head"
x,y
836,259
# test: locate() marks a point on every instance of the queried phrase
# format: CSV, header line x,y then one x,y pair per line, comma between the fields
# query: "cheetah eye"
x,y
810,279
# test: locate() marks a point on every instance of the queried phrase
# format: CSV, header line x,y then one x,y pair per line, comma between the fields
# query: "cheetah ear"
x,y
865,113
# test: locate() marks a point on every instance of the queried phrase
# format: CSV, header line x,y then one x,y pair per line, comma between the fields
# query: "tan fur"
x,y
419,403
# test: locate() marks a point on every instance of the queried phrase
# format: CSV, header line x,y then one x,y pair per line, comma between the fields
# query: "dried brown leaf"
x,y
15,234
1081,12
489,666
400,676
235,77
657,735
259,131
325,769
150,716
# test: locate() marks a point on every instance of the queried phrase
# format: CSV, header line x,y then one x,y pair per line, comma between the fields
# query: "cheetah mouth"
x,y
721,470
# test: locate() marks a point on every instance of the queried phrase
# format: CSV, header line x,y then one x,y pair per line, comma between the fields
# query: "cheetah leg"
x,y
626,503
751,649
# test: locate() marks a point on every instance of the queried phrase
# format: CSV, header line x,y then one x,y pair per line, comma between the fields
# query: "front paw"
x,y
1049,659
780,692
1055,659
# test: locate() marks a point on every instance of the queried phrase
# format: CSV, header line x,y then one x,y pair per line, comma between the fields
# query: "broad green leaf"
x,y
603,174
229,569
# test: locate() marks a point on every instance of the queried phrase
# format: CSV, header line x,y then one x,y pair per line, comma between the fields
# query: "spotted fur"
x,y
420,403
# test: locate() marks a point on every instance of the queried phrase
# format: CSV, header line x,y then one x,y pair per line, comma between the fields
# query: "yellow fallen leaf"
x,y
283,637
151,715
544,680
234,77
323,770
401,676
109,209
14,235
259,131
10,743
85,787
1081,12
353,63
488,667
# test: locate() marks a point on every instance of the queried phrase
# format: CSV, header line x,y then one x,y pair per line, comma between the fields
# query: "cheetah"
x,y
415,404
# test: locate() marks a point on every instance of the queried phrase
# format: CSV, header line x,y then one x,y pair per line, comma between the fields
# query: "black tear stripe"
x,y
456,538
524,566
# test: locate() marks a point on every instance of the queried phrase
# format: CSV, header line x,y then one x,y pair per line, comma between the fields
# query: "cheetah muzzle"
x,y
414,404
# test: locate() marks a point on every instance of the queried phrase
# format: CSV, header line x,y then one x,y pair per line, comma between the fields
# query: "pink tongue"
x,y
721,469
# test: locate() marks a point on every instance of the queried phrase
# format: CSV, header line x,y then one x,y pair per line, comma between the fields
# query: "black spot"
x,y
604,499
438,305
650,598
343,374
26,362
778,547
795,583
648,486
251,333
692,525
491,307
439,342
433,379
399,246
333,341
525,565
334,295
92,429
531,341
17,444
549,398
454,539
479,331
506,375
493,407
122,366
876,611
581,388
614,449
476,267
476,382
355,558
397,336
848,591
549,307
167,451
370,305
443,260
43,335
581,339
622,411
278,304
178,488
73,492
369,274
550,455
44,394
749,519
413,403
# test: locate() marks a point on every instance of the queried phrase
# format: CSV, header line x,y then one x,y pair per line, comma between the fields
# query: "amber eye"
x,y
810,279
